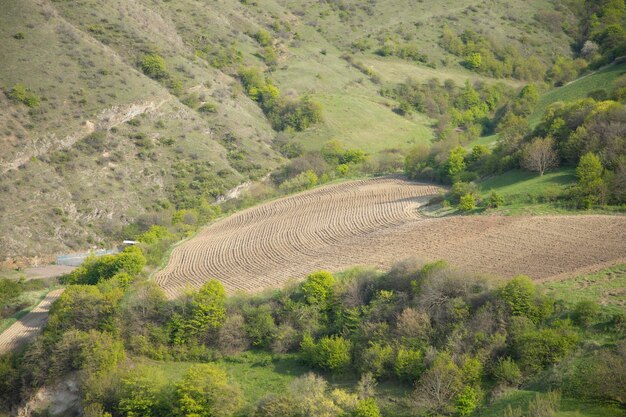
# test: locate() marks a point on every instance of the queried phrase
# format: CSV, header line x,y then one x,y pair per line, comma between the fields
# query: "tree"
x,y
590,183
377,359
467,401
456,162
473,61
318,287
208,308
521,297
438,386
205,391
141,392
539,155
367,407
332,353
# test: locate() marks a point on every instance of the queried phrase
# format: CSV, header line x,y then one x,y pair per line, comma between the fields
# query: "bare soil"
x,y
376,222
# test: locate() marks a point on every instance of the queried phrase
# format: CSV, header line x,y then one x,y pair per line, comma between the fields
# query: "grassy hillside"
x,y
600,80
108,147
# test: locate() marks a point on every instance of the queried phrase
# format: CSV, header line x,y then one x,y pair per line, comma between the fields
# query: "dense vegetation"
x,y
454,342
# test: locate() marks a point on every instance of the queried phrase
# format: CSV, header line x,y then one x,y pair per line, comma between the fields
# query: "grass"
x,y
569,407
606,287
365,123
259,374
527,192
30,299
578,89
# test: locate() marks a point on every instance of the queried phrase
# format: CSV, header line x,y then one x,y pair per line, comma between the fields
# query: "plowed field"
x,y
376,222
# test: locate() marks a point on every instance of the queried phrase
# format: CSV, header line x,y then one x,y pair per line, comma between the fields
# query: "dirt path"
x,y
29,326
376,222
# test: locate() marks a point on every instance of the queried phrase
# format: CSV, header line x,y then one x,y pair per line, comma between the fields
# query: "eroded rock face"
x,y
62,399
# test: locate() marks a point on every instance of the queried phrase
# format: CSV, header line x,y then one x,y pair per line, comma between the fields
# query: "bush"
x,y
585,312
409,364
367,408
205,391
495,200
9,290
522,299
377,359
20,93
277,406
467,202
153,65
332,353
537,349
506,372
467,401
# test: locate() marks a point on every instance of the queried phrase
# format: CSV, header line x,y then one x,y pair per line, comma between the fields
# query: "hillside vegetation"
x,y
418,339
117,115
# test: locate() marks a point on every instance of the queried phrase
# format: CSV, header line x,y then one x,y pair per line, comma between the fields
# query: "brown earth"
x,y
29,326
376,222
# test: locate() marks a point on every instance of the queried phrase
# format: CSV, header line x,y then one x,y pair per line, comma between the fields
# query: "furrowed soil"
x,y
376,222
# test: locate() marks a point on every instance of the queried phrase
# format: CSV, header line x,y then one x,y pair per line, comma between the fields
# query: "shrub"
x,y
367,408
506,372
494,200
277,406
585,312
467,401
20,93
409,364
377,359
142,392
333,353
537,349
9,290
522,299
467,202
153,65
260,325
205,391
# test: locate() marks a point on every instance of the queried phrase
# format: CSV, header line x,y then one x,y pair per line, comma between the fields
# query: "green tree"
x,y
260,325
377,359
318,287
467,401
205,391
409,364
333,353
141,392
455,163
590,182
208,308
367,407
522,299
